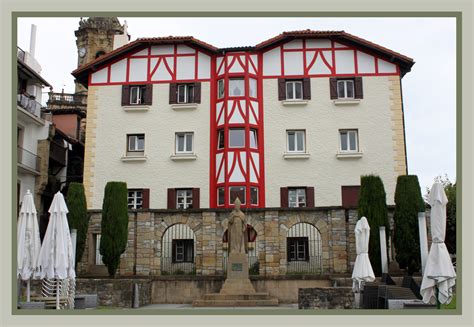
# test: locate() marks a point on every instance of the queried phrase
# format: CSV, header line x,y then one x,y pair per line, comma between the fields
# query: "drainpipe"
x,y
33,40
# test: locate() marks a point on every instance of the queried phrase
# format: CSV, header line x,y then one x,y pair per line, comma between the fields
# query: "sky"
x,y
429,90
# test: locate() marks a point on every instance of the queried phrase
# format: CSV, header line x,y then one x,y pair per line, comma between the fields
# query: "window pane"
x,y
253,87
344,141
253,195
189,142
289,90
140,143
190,98
298,90
291,141
300,141
352,141
236,137
340,89
220,196
253,138
180,139
220,88
237,191
131,142
220,141
134,95
141,95
350,89
181,93
236,87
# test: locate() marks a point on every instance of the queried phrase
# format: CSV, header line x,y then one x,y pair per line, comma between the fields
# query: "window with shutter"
x,y
284,197
350,196
173,93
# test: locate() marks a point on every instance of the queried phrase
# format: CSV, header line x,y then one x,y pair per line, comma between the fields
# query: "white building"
x,y
293,121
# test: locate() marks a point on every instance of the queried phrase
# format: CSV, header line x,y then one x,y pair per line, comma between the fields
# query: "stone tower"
x,y
95,37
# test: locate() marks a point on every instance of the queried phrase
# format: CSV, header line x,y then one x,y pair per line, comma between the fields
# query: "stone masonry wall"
x,y
325,298
146,229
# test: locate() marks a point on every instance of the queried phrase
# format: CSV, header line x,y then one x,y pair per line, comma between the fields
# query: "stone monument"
x,y
237,289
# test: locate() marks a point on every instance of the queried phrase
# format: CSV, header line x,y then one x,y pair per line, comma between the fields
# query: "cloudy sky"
x,y
429,90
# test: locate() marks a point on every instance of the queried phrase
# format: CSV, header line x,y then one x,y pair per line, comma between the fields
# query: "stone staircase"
x,y
236,300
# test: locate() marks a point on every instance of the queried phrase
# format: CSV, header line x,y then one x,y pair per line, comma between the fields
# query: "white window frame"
x,y
345,82
186,88
236,147
136,136
185,149
296,204
219,83
255,133
293,83
303,132
140,91
187,200
243,85
349,131
135,199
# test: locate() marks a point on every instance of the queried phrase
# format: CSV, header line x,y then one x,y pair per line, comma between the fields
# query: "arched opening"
x,y
304,249
252,253
178,251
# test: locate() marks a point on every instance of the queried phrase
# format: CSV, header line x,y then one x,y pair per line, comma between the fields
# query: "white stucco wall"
x,y
322,120
159,124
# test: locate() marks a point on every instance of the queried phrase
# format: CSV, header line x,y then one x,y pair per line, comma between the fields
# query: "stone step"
x,y
218,296
236,303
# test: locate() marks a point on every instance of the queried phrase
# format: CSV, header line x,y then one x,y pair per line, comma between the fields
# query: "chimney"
x,y
33,40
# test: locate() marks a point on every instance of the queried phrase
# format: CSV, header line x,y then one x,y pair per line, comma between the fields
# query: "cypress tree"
x,y
114,225
77,217
408,202
373,206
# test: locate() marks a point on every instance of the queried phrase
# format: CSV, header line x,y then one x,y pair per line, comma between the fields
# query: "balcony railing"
x,y
20,54
67,99
28,159
30,105
57,152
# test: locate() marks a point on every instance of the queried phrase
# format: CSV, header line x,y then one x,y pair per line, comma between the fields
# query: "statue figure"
x,y
237,230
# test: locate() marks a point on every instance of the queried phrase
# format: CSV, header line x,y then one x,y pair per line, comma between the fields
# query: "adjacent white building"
x,y
291,122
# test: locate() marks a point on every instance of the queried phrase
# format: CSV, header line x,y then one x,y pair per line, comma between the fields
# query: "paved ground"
x,y
292,306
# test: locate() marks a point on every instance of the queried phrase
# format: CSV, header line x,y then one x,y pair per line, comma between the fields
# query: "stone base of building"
x,y
236,300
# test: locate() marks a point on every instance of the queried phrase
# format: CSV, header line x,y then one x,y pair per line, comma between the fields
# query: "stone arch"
x,y
304,249
178,249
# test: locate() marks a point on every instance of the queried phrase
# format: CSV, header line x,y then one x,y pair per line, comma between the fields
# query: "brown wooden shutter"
x,y
125,95
173,93
148,94
306,89
358,90
197,92
196,198
173,251
350,196
281,89
171,198
310,197
333,87
146,198
284,197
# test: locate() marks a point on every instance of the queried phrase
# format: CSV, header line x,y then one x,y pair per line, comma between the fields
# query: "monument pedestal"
x,y
237,290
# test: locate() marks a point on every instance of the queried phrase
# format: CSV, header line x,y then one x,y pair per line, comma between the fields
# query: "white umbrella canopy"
x,y
28,238
56,258
362,268
439,270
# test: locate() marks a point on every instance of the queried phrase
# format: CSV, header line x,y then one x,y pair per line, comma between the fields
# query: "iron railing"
x,y
173,261
67,98
28,159
311,262
29,104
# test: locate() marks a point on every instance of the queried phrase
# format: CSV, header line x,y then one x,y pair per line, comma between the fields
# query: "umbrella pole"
x,y
57,294
28,291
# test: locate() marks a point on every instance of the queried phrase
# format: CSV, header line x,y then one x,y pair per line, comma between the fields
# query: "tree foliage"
x,y
408,202
373,206
114,225
77,217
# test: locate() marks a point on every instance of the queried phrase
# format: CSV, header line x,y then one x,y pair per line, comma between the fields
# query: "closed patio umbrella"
x,y
362,268
28,241
439,276
56,259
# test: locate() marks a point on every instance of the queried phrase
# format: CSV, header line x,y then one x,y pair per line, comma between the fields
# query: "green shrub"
x,y
114,225
373,206
408,202
77,217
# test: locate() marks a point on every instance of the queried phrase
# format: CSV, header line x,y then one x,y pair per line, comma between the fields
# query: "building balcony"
x,y
27,161
57,152
67,101
30,105
20,54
